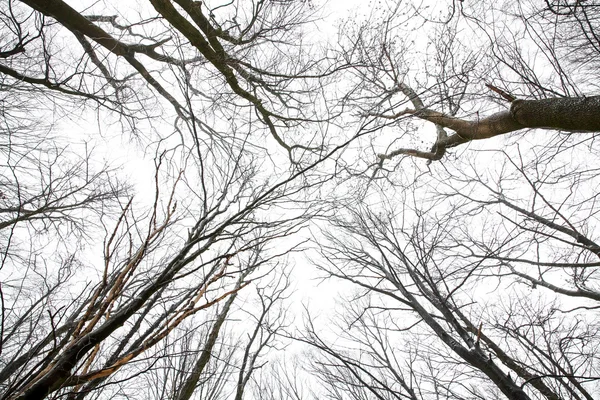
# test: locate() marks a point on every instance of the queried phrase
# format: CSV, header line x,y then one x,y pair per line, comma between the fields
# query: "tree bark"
x,y
572,114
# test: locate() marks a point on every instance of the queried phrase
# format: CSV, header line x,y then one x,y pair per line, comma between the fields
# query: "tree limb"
x,y
569,114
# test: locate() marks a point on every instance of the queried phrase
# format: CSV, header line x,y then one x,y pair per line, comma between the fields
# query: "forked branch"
x,y
569,114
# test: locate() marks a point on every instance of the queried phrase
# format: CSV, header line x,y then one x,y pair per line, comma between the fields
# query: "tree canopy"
x,y
177,175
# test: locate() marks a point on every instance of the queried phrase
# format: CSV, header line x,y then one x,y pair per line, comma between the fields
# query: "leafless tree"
x,y
462,279
159,271
226,60
286,379
485,72
99,323
52,201
242,350
476,276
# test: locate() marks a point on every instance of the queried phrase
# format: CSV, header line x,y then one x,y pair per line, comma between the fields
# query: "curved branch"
x,y
569,114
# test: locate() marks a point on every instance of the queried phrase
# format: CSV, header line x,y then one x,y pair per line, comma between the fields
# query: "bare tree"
x,y
98,325
286,379
475,277
476,62
226,60
425,275
153,280
243,350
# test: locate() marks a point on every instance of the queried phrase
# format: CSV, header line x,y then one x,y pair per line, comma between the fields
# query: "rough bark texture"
x,y
566,114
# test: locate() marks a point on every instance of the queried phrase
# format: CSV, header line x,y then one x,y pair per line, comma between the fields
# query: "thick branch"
x,y
216,55
494,125
569,114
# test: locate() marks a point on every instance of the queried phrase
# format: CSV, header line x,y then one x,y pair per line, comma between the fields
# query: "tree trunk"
x,y
566,114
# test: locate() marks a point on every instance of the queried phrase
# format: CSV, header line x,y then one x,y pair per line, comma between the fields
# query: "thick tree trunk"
x,y
566,114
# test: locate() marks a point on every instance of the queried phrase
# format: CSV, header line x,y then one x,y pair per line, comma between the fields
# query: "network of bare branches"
x,y
170,171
